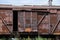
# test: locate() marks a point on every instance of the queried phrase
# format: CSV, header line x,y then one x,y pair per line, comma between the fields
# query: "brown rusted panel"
x,y
20,21
46,19
3,15
43,28
57,29
56,19
34,14
39,17
4,29
27,21
27,14
28,17
34,22
53,19
6,18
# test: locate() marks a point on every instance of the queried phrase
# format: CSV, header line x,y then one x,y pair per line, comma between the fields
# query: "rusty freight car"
x,y
39,20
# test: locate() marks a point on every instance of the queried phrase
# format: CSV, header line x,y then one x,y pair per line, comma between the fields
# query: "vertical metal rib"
x,y
31,19
24,19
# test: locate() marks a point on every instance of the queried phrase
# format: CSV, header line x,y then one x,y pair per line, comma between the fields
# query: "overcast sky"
x,y
29,2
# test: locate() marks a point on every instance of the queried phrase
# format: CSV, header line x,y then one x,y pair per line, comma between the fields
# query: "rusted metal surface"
x,y
39,22
6,17
46,22
43,20
55,26
43,27
53,19
27,20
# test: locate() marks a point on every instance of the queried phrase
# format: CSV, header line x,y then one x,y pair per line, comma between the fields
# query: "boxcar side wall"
x,y
43,21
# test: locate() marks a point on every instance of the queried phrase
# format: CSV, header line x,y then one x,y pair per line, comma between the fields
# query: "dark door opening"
x,y
15,21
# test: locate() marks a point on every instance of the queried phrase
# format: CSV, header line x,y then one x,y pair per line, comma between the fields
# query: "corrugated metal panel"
x,y
34,21
27,20
20,21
